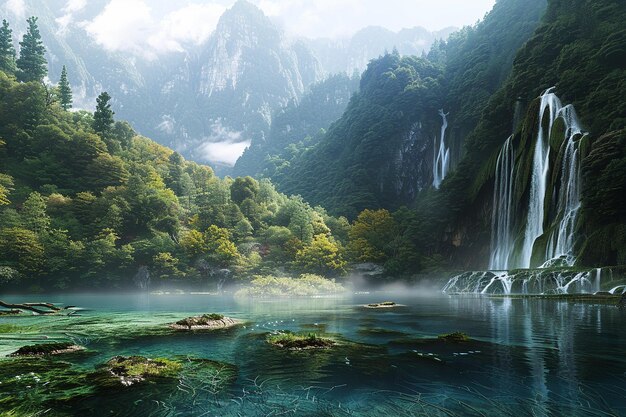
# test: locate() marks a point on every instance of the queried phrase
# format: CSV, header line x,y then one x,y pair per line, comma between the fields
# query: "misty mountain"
x,y
208,101
353,55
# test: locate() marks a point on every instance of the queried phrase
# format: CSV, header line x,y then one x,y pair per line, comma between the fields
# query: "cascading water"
x,y
526,282
561,243
565,199
539,180
501,239
441,161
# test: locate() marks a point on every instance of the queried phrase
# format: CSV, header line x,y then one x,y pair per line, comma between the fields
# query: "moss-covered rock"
x,y
456,337
129,370
205,322
292,341
45,349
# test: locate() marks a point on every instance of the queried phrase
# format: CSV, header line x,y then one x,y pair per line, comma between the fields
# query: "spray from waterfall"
x,y
502,217
441,162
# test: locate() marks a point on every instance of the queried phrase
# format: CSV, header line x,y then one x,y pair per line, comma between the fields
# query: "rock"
x,y
385,304
46,349
622,302
10,312
205,322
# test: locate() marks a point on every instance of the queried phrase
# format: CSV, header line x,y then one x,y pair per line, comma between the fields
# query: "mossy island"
x,y
46,349
130,370
292,341
212,321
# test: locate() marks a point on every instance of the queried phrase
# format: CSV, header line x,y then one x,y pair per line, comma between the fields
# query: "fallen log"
x,y
51,308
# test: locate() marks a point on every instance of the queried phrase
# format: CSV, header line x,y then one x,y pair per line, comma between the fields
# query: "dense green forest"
x,y
86,202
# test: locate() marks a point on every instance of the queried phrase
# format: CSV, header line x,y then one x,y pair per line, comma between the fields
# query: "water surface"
x,y
530,357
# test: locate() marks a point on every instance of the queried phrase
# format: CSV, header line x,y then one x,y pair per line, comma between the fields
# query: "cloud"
x,y
123,25
223,146
73,6
133,26
191,24
16,7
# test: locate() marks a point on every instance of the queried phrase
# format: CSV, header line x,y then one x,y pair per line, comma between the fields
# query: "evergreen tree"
x,y
7,51
32,63
103,116
65,91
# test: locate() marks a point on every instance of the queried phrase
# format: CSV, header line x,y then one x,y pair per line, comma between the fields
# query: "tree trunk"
x,y
32,307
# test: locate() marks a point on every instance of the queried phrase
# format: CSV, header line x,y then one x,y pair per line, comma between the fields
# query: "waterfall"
x,y
561,243
441,159
501,225
539,180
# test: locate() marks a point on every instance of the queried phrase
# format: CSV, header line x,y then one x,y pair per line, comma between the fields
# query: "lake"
x,y
526,357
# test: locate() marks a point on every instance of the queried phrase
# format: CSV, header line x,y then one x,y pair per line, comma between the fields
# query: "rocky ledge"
x,y
205,322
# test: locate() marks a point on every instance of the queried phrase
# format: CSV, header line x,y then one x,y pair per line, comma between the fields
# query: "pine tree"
x,y
65,91
7,51
103,116
32,63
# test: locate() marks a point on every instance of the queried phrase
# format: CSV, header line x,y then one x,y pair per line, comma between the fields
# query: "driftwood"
x,y
51,308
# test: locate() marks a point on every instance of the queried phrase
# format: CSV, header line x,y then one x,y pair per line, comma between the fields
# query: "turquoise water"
x,y
528,357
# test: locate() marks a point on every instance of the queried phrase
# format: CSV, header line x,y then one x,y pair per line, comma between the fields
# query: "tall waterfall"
x,y
441,162
563,205
501,239
539,180
561,243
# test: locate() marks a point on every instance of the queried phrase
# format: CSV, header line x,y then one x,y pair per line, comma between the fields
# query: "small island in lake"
x,y
211,321
292,341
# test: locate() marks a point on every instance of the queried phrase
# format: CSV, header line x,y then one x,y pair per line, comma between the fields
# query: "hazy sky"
x,y
164,25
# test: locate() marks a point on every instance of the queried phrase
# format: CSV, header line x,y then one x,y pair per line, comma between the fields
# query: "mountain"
x,y
383,152
297,127
353,54
208,101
